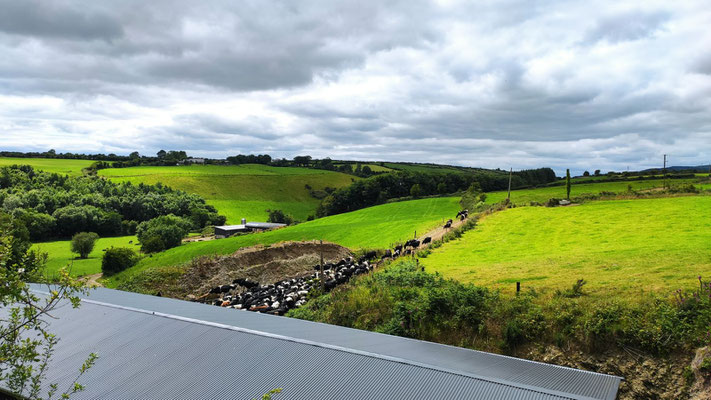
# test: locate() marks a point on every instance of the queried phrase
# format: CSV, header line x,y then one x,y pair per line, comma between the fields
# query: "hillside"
x,y
621,247
374,227
542,194
59,166
242,191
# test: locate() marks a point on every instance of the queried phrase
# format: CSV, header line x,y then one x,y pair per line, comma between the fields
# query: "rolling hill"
x,y
373,227
242,191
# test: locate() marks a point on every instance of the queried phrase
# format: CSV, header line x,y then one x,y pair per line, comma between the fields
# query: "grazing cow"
x,y
398,247
426,240
367,256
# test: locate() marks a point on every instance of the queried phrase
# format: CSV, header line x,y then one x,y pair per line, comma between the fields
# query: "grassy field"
x,y
59,166
59,255
241,191
542,194
373,167
621,247
374,227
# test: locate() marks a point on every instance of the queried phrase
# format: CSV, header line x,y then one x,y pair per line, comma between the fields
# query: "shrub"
x,y
169,228
153,244
279,217
83,243
552,202
117,259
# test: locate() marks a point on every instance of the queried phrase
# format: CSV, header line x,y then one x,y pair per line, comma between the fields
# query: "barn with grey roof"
x,y
160,348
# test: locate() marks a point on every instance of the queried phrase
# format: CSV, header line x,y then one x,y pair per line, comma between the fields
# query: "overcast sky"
x,y
584,85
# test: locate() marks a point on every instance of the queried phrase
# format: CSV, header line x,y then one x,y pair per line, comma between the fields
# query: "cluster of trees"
x,y
265,159
53,154
533,177
57,206
380,188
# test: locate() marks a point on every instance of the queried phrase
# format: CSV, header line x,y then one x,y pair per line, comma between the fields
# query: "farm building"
x,y
245,227
161,348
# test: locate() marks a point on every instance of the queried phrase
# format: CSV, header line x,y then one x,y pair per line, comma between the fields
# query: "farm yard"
x,y
621,247
242,191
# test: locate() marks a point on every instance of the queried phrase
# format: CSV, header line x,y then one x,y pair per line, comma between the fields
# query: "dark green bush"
x,y
169,228
83,243
153,244
117,259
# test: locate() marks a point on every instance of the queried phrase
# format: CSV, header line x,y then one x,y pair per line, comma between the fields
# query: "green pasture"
x,y
241,191
542,194
621,247
56,165
59,255
373,227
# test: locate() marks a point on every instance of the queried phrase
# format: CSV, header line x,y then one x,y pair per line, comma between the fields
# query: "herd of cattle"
x,y
280,297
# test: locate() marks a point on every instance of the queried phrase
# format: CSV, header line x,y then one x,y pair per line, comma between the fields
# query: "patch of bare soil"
x,y
646,377
93,280
198,239
263,264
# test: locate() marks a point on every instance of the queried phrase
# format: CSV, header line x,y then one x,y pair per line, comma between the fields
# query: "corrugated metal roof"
x,y
264,225
258,225
152,347
231,227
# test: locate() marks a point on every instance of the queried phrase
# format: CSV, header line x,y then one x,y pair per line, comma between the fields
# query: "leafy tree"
x,y
586,173
26,344
153,244
117,259
302,161
161,154
279,217
442,188
597,172
567,184
367,171
416,190
83,243
169,228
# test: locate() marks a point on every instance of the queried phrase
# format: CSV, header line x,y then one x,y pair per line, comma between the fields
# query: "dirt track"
x,y
440,231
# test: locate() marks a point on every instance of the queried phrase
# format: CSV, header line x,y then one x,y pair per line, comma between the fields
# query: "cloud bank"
x,y
490,84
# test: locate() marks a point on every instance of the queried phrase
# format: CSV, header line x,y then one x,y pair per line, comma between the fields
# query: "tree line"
x,y
52,205
378,189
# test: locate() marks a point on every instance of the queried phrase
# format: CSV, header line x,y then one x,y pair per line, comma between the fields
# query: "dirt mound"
x,y
263,264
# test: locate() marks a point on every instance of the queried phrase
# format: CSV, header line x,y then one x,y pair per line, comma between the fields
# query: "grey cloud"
x,y
488,84
630,25
56,19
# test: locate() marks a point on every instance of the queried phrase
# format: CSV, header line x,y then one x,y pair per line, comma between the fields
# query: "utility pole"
x,y
664,171
508,197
